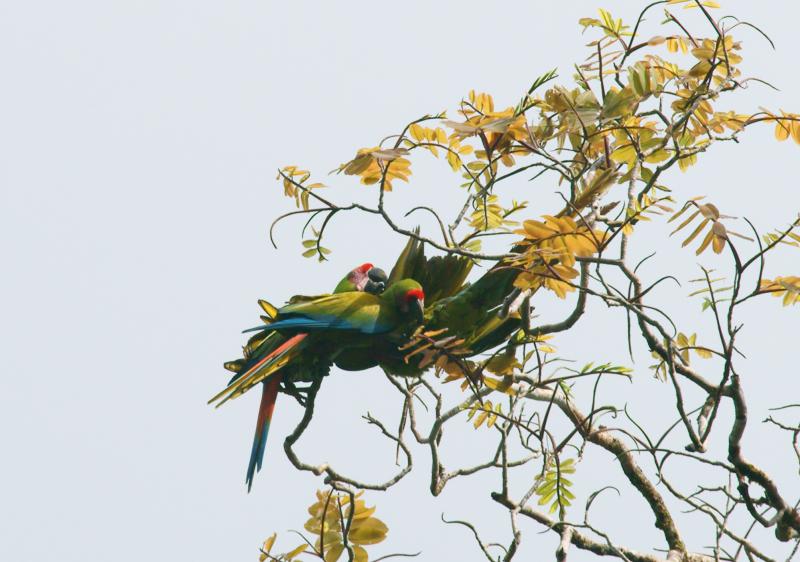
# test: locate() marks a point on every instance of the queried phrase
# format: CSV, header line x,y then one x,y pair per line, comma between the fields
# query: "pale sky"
x,y
138,149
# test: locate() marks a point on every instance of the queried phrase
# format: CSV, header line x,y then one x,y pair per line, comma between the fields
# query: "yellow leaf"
x,y
360,163
657,156
786,287
265,549
504,385
269,542
558,282
700,69
314,525
706,241
683,343
295,552
480,419
781,130
720,237
370,531
625,154
492,419
672,44
536,230
503,363
694,234
363,512
796,131
685,161
706,3
333,552
709,211
703,352
685,222
618,103
454,161
359,554
705,52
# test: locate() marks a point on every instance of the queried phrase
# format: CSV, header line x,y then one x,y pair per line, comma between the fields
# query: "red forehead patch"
x,y
365,267
415,294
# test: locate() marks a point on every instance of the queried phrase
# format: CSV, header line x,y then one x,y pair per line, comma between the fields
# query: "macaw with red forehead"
x,y
296,340
362,326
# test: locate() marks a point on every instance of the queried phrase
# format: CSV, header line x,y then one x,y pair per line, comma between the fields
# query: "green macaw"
x,y
263,350
301,334
441,276
353,312
479,313
471,312
475,313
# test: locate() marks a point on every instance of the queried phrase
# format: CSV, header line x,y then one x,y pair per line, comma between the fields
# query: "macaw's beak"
x,y
374,287
376,281
418,307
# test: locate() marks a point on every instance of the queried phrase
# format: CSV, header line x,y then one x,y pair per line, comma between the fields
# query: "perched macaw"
x,y
297,338
474,313
478,312
470,312
264,350
442,276
354,312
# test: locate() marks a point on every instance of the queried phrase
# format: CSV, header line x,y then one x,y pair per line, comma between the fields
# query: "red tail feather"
x,y
285,346
269,395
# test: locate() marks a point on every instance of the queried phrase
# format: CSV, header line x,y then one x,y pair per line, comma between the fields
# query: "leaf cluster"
x,y
342,523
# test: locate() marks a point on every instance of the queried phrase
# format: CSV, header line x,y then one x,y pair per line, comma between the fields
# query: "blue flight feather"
x,y
307,324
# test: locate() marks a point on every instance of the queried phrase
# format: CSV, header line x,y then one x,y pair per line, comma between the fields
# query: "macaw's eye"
x,y
378,275
375,288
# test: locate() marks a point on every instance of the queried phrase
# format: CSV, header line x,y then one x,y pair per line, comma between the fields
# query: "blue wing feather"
x,y
308,324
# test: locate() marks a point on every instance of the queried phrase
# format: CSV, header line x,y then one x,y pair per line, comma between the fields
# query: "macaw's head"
x,y
368,278
409,298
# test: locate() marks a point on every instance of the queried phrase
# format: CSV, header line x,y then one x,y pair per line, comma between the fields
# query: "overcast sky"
x,y
138,147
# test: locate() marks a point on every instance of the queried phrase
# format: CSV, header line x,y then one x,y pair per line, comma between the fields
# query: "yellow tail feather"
x,y
249,380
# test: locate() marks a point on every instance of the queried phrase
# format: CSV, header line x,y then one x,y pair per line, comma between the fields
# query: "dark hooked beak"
x,y
374,287
378,275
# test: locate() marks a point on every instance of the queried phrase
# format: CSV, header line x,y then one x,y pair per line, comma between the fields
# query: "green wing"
x,y
440,276
474,312
351,306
